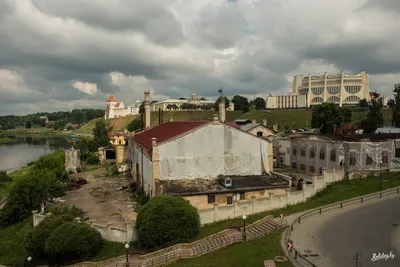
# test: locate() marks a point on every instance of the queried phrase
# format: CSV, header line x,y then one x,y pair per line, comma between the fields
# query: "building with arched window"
x,y
343,89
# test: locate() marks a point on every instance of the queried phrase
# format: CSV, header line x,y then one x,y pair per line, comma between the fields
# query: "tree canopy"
x,y
374,117
258,103
396,106
241,103
165,219
216,105
100,133
326,115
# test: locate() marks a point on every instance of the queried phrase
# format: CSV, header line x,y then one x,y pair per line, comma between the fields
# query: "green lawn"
x,y
334,193
12,251
252,253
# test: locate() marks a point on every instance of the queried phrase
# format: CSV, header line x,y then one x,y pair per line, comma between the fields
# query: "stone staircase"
x,y
212,243
261,228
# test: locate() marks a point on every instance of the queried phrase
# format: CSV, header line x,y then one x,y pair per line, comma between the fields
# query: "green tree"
x,y
374,118
28,125
135,125
241,103
396,106
258,103
35,238
26,194
72,241
166,219
326,115
141,108
363,103
100,133
391,103
216,105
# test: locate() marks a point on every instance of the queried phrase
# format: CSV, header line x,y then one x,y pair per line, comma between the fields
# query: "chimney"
x,y
215,118
153,141
265,122
171,119
221,109
147,110
253,122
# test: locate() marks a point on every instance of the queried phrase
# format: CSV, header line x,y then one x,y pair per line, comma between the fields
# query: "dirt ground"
x,y
101,198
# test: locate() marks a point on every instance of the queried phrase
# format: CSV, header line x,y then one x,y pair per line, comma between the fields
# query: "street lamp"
x,y
244,227
29,260
380,175
127,256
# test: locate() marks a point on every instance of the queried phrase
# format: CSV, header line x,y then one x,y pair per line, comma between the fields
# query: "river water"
x,y
16,155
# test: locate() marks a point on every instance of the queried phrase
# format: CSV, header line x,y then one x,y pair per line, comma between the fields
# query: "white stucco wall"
x,y
213,150
145,169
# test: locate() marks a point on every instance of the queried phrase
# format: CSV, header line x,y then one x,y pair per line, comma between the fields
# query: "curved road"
x,y
371,227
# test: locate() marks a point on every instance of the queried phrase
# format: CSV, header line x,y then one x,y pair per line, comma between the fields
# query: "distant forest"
x,y
57,120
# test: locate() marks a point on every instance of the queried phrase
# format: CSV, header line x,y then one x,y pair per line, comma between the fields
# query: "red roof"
x,y
111,98
165,132
233,124
117,105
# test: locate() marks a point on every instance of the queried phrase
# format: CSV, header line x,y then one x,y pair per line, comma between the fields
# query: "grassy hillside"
x,y
302,118
118,124
192,116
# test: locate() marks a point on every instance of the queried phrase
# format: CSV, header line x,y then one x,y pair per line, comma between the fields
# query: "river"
x,y
18,154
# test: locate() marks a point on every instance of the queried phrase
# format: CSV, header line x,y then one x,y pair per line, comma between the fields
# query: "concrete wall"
x,y
282,151
72,159
274,201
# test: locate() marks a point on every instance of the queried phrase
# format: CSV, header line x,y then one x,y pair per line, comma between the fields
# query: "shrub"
x,y
4,177
166,219
72,241
36,237
26,194
141,197
92,159
62,209
54,163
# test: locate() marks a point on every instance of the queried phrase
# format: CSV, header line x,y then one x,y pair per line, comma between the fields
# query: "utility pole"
x,y
357,257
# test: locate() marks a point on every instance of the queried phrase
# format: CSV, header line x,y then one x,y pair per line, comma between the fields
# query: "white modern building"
x,y
342,89
175,104
117,109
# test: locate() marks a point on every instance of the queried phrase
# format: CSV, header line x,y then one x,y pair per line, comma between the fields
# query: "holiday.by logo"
x,y
382,256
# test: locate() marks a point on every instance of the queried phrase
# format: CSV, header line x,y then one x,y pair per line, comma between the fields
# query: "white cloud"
x,y
88,88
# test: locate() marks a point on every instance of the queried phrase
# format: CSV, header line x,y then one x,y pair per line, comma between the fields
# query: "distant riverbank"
x,y
45,132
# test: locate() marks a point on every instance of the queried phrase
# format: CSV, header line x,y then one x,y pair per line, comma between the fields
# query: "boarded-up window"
x,y
229,200
368,160
211,199
353,158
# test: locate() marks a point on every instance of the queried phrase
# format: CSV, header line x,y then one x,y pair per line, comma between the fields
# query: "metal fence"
x,y
295,254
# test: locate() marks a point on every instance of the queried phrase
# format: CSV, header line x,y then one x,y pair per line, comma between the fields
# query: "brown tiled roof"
x,y
233,124
165,132
111,98
117,105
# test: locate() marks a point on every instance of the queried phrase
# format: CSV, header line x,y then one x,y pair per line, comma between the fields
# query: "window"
x,y
242,195
294,165
368,160
385,157
303,152
229,200
302,167
320,171
294,150
211,199
288,151
312,154
333,155
312,169
259,134
353,158
322,153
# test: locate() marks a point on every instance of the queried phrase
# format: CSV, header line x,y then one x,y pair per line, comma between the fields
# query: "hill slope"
x,y
117,124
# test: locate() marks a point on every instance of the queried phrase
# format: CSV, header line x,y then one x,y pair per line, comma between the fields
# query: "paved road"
x,y
336,235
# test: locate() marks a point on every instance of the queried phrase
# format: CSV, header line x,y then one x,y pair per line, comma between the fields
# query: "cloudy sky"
x,y
58,54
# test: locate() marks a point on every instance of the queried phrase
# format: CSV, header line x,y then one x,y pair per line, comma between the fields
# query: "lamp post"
x,y
127,256
244,227
380,175
29,261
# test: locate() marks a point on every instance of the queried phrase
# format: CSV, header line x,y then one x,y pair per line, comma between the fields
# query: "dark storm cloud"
x,y
220,28
374,57
152,18
386,5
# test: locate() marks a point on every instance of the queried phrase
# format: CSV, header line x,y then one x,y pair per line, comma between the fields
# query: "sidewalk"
x,y
306,241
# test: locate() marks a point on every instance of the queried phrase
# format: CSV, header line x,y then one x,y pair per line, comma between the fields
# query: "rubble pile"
x,y
76,183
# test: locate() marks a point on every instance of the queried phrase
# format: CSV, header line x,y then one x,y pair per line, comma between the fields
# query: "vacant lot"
x,y
102,199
